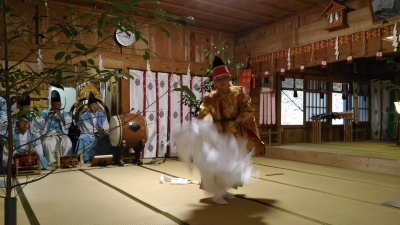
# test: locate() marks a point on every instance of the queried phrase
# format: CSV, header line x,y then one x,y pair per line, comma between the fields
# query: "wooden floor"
x,y
374,156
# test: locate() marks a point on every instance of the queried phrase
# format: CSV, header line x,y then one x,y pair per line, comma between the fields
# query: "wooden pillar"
x,y
316,130
348,129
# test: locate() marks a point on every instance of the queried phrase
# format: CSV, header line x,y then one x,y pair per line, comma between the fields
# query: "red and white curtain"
x,y
136,91
163,107
152,95
186,81
175,108
267,108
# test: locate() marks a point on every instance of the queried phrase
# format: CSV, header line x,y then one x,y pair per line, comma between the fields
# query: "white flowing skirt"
x,y
222,159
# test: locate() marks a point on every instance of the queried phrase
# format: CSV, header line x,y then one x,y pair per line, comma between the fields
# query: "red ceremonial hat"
x,y
219,68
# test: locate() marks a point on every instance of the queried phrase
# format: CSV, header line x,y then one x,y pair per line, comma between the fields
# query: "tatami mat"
x,y
286,192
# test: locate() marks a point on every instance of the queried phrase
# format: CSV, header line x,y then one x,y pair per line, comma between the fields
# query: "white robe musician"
x,y
56,124
92,125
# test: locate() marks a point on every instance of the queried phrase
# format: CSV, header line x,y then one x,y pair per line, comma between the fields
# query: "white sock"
x,y
228,195
218,198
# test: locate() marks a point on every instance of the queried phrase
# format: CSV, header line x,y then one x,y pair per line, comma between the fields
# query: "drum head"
x,y
115,131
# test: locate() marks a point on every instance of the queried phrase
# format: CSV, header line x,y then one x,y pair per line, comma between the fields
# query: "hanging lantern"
x,y
266,77
282,74
302,71
324,68
350,65
321,93
344,95
379,62
365,96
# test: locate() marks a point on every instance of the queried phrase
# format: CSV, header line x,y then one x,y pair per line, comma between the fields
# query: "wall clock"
x,y
125,38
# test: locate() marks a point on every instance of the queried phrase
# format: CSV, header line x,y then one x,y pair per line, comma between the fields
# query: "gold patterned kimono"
x,y
223,109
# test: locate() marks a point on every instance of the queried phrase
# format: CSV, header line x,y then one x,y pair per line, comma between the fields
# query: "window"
x,y
363,103
342,100
345,103
316,99
292,107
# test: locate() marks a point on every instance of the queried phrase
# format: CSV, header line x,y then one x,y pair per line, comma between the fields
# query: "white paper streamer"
x,y
148,67
100,63
288,60
337,47
39,60
395,38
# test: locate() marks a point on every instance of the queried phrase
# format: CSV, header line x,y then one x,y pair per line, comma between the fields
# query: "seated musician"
x,y
92,124
26,143
56,123
24,106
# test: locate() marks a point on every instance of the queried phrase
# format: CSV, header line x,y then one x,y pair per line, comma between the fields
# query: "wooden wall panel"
x,y
311,29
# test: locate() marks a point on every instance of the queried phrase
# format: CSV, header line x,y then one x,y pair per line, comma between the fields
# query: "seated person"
x,y
55,123
25,142
92,124
24,106
3,127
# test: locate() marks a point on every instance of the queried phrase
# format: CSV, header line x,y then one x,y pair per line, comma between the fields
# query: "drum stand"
x,y
123,154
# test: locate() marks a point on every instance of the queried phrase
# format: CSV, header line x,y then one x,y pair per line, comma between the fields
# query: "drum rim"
x,y
118,128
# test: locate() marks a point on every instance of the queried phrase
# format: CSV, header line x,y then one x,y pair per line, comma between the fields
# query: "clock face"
x,y
125,38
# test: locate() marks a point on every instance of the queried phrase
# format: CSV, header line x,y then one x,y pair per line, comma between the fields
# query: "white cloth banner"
x,y
375,111
186,109
163,89
175,108
150,114
136,91
196,85
385,107
378,118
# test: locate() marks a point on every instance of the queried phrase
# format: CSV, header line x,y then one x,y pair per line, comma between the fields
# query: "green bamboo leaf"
x,y
185,89
59,56
146,55
83,63
80,46
90,61
91,50
76,52
164,30
68,57
58,76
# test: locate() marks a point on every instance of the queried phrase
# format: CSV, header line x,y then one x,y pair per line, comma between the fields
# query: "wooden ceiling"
x,y
237,16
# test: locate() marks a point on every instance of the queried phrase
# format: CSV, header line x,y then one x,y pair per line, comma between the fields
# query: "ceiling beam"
x,y
271,6
209,14
301,2
235,9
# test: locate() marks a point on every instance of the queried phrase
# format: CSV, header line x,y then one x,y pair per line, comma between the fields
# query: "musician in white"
x,y
26,142
24,105
56,123
92,124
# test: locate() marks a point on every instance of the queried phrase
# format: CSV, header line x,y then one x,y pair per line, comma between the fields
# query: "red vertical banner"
x,y
245,80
